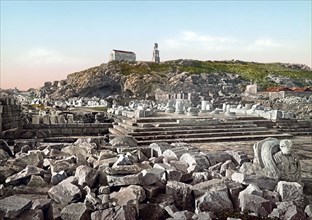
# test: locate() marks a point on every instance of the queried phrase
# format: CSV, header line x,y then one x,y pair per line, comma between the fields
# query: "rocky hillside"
x,y
207,77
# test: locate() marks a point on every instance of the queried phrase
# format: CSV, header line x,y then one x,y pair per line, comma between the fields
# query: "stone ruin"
x,y
93,179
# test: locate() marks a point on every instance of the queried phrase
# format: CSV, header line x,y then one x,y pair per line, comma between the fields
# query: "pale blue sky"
x,y
47,40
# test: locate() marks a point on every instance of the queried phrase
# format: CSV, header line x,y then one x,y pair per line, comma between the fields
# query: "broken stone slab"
x,y
105,154
199,177
308,210
55,210
27,172
31,214
123,180
34,158
64,192
291,191
181,194
254,203
41,203
234,189
128,141
170,209
227,165
217,157
214,201
119,212
171,172
104,163
179,165
162,199
200,189
122,160
36,181
175,153
124,169
238,157
14,205
252,189
287,210
263,182
86,175
151,176
206,216
250,169
215,167
67,165
153,190
196,161
157,149
128,195
77,211
152,211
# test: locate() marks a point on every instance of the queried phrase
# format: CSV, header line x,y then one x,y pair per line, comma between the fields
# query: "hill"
x,y
207,77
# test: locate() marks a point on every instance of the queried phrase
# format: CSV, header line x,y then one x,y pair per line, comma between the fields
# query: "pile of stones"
x,y
91,179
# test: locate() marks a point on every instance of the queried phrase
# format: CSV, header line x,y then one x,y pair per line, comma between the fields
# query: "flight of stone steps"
x,y
170,129
295,127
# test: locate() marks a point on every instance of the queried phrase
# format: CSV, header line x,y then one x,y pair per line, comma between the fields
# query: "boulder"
x,y
27,172
75,211
151,176
291,191
238,157
181,194
86,175
128,195
254,203
34,158
12,206
196,161
263,182
287,210
119,212
214,201
64,192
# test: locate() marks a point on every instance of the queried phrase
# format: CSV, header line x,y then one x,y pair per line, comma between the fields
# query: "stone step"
x,y
203,135
114,131
193,131
216,139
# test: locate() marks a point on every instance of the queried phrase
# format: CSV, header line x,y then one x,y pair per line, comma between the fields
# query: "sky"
x,y
47,40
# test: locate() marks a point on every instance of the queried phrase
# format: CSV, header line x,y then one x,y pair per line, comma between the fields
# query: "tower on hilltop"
x,y
156,57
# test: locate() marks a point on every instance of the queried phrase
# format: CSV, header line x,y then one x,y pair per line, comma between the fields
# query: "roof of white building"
x,y
123,51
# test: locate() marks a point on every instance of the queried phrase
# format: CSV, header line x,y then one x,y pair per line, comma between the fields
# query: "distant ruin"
x,y
120,55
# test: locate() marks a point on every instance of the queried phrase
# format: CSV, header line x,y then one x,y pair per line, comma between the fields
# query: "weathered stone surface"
x,y
153,190
86,175
123,180
199,177
215,167
287,210
12,206
214,201
262,182
151,176
206,216
36,181
28,171
65,192
217,157
4,155
56,209
74,211
271,195
252,189
181,194
196,161
128,195
122,160
158,148
174,153
254,203
291,191
227,165
308,210
34,158
152,211
119,213
104,190
234,190
41,203
183,215
105,154
210,185
179,165
124,169
238,157
249,168
123,141
36,214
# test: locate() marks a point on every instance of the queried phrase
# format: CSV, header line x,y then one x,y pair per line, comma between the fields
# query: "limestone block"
x,y
251,189
35,119
234,190
196,161
238,157
256,204
151,176
77,211
227,165
181,194
122,160
199,177
28,171
174,153
214,201
200,189
12,206
157,149
34,158
64,192
119,212
123,180
271,195
122,170
46,119
287,210
86,175
153,190
217,157
291,191
123,141
262,182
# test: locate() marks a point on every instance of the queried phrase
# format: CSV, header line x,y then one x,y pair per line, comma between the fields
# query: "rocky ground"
x,y
92,179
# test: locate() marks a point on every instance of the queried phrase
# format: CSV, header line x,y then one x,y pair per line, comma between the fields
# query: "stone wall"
x,y
56,130
10,117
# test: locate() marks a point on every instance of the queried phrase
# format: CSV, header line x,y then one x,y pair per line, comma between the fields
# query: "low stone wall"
x,y
55,130
10,116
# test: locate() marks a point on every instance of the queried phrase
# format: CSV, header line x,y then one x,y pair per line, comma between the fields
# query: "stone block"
x,y
86,175
181,194
287,210
262,182
256,204
65,192
291,191
119,212
12,206
123,180
151,176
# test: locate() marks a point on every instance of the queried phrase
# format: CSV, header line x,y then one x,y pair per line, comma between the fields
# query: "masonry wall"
x,y
59,130
10,118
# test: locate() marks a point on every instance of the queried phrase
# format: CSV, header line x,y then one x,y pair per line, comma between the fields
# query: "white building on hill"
x,y
120,55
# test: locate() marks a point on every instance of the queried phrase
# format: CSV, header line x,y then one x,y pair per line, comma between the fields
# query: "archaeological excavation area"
x,y
148,160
